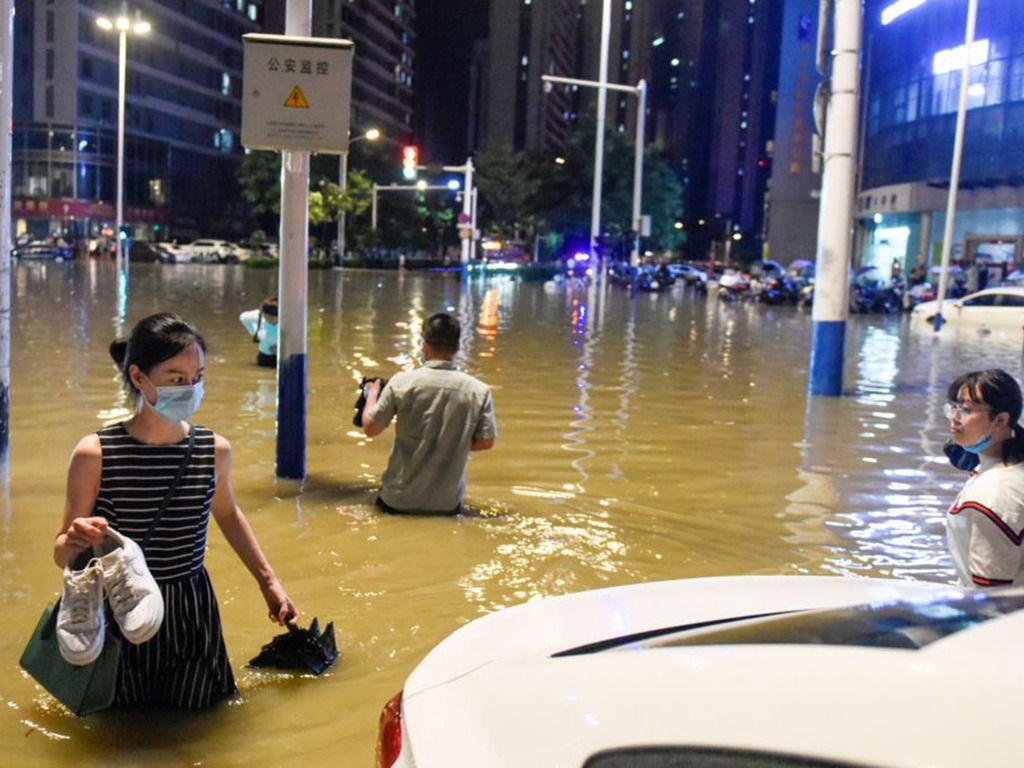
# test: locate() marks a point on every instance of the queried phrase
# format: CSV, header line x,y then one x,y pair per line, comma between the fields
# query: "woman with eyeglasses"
x,y
985,525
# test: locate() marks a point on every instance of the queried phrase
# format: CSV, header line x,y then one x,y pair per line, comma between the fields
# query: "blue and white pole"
x,y
293,279
6,107
835,217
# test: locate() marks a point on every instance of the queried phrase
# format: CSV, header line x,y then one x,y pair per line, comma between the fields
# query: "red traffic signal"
x,y
410,159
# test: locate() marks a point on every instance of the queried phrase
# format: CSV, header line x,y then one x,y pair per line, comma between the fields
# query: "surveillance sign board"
x,y
296,93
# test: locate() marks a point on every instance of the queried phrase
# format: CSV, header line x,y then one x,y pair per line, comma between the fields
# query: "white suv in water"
x,y
212,251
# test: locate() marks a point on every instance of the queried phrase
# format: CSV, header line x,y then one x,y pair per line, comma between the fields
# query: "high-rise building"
x,y
711,70
914,55
528,40
182,117
383,64
183,107
794,195
715,71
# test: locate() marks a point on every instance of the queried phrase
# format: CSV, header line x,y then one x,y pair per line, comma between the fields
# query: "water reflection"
x,y
654,437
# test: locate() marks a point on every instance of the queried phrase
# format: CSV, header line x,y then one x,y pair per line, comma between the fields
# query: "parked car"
x,y
1014,278
163,252
39,250
264,250
212,251
748,671
1000,308
173,253
145,250
687,272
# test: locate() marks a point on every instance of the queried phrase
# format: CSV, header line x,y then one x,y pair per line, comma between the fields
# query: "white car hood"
x,y
490,695
543,627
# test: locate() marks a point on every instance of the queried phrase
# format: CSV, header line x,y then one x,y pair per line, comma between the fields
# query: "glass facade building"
x,y
182,117
913,56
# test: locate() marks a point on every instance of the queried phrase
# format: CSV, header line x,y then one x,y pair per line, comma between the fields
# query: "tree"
x,y
662,200
507,188
260,179
566,192
355,201
259,176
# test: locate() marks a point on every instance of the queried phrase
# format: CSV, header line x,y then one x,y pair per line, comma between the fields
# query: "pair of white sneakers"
x,y
118,569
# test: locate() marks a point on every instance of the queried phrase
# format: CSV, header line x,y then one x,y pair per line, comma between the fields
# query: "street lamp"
x,y
123,25
958,147
371,135
640,91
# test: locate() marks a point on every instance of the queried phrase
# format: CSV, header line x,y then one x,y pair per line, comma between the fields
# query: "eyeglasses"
x,y
959,412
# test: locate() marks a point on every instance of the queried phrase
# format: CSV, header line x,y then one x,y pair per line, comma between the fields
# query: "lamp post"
x,y
640,91
123,25
958,148
371,135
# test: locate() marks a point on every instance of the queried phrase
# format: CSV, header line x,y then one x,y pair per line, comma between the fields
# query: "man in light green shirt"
x,y
443,414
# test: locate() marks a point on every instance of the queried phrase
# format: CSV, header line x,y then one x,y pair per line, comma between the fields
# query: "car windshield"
x,y
907,624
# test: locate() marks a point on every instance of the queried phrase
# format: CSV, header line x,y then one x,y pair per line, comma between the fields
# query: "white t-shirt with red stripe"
x,y
985,526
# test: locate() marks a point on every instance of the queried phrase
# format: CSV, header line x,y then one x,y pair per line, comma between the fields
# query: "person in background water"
x,y
985,524
118,478
262,326
443,414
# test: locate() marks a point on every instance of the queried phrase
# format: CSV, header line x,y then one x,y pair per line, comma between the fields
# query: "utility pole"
x,y
958,149
602,108
6,107
835,218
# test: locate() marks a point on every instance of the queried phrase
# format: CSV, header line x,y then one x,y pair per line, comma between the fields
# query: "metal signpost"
x,y
296,99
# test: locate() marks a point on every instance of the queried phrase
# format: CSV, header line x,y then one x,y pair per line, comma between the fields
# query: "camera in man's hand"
x,y
357,417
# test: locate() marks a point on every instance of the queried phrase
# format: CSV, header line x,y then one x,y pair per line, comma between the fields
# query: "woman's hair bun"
x,y
118,350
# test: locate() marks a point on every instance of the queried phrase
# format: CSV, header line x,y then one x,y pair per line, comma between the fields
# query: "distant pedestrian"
x,y
262,326
443,415
971,277
985,524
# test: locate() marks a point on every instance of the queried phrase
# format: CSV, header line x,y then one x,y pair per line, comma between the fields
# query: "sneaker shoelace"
x,y
119,591
83,604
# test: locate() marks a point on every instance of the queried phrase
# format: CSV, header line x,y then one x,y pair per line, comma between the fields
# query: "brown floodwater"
x,y
658,437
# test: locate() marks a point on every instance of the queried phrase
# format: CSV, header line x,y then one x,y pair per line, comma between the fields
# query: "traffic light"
x,y
410,159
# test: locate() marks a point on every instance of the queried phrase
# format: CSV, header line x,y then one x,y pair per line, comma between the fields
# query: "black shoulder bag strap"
x,y
173,486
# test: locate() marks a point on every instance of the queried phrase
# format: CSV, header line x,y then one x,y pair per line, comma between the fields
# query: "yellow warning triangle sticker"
x,y
296,99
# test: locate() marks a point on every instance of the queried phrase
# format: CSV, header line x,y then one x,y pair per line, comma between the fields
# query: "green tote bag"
x,y
84,689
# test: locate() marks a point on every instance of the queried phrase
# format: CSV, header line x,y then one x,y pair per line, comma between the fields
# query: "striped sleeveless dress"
x,y
185,665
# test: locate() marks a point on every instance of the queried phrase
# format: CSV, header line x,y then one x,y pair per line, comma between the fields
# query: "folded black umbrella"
x,y
308,650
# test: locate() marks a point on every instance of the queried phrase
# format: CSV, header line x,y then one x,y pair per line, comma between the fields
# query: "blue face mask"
x,y
178,403
979,446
